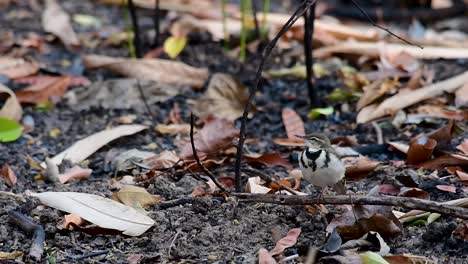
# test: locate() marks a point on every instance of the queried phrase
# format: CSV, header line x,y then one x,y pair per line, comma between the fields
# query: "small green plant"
x,y
266,9
128,30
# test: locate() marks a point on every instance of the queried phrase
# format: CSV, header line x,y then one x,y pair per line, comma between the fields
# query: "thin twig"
x,y
197,159
173,241
253,89
136,29
37,245
145,102
156,18
384,29
378,131
405,202
309,18
256,24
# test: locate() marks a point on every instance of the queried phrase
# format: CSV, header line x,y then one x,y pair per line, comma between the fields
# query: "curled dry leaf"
x,y
56,21
75,173
264,257
364,218
159,70
254,186
215,136
8,174
164,160
173,129
288,241
268,159
100,211
134,196
66,222
46,91
420,150
225,98
11,109
407,97
359,167
84,148
444,135
293,123
15,68
375,90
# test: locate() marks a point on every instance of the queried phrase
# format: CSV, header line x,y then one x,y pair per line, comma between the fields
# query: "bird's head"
x,y
316,141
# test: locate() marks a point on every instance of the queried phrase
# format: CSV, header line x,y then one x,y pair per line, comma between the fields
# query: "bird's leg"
x,y
322,191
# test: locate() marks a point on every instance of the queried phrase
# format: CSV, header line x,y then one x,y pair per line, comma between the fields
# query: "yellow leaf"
x,y
174,46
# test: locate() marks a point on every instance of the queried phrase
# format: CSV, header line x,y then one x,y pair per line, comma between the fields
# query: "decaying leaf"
x,y
288,241
420,150
364,218
66,222
375,90
134,196
56,21
407,97
268,159
75,173
121,94
126,159
216,135
408,259
15,68
11,109
8,175
293,123
359,167
100,211
10,255
254,185
463,147
83,148
166,159
461,96
444,134
44,92
225,98
74,80
173,129
164,71
399,60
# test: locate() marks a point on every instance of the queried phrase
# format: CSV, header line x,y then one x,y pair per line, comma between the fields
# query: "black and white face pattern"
x,y
317,141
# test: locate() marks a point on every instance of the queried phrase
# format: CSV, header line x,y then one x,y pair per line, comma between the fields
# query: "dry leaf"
x,y
84,148
67,221
216,135
268,159
293,123
420,150
447,188
11,109
463,147
254,186
359,167
134,196
15,68
75,173
289,142
408,259
264,257
225,98
173,129
288,241
8,174
407,97
442,112
100,211
74,80
164,160
461,96
375,90
56,21
48,91
159,70
399,60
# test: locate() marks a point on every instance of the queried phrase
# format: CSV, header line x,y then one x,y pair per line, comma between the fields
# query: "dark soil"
x,y
207,231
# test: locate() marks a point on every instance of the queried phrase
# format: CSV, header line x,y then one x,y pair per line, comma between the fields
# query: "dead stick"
x,y
409,203
253,89
136,29
37,246
195,155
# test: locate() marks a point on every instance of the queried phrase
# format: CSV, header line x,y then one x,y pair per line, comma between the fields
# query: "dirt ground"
x,y
210,230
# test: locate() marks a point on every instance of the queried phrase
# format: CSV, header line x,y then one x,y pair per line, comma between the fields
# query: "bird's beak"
x,y
299,136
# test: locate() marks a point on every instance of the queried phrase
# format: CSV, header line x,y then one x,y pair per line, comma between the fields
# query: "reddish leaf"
x,y
289,142
43,92
226,181
444,135
75,173
359,167
293,123
166,159
15,68
74,80
463,147
463,176
415,193
288,241
420,150
67,221
461,232
8,174
440,163
268,159
215,136
447,188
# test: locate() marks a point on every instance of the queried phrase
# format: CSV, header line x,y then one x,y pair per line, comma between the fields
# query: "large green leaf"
x,y
9,130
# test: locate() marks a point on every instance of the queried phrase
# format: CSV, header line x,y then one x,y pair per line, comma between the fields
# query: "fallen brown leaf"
x,y
463,147
268,159
225,98
447,188
359,167
444,135
56,21
461,96
461,232
216,135
442,112
159,70
74,80
289,142
420,150
408,259
293,123
166,159
15,68
254,185
66,222
407,97
288,241
8,175
375,90
11,109
49,90
173,129
134,196
75,173
399,60
442,162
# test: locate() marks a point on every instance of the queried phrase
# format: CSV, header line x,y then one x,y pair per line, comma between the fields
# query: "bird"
x,y
321,165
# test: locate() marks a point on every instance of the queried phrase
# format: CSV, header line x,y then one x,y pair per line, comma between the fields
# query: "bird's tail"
x,y
340,187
